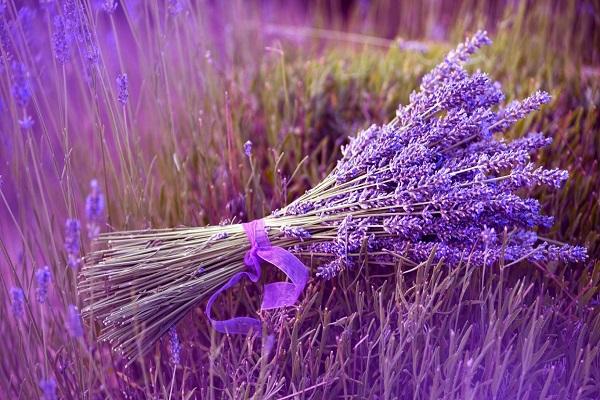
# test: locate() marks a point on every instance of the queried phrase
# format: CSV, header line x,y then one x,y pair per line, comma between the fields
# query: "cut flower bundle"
x,y
438,181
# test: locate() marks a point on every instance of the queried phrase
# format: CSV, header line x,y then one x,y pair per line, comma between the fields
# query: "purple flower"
x,y
72,241
436,181
43,277
21,85
71,11
520,109
566,253
5,38
74,322
330,270
295,232
26,17
175,7
174,347
451,68
218,236
488,236
71,27
26,123
94,209
405,227
123,88
48,387
110,6
62,39
248,148
18,302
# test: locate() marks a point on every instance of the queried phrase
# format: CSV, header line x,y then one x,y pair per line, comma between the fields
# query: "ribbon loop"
x,y
276,295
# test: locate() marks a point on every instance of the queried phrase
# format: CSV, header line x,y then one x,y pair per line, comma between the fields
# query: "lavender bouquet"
x,y
438,181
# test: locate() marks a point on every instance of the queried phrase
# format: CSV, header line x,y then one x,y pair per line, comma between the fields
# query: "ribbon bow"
x,y
276,295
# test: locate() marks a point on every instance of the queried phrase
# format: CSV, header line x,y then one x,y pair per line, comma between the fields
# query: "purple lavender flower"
x,y
72,241
94,209
18,302
248,148
5,38
62,39
405,227
48,387
218,236
71,11
436,181
296,208
25,19
27,122
21,85
529,176
488,236
174,347
351,234
566,253
330,270
71,27
74,322
295,232
110,6
451,68
175,7
123,88
43,277
520,109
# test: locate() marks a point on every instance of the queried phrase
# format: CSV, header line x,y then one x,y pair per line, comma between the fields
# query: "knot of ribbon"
x,y
276,295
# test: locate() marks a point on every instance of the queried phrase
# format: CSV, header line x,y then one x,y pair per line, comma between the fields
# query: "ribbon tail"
x,y
279,294
282,294
237,325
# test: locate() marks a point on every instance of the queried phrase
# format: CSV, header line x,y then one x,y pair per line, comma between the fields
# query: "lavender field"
x,y
449,247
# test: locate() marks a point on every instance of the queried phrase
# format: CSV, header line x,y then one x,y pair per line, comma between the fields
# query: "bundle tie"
x,y
276,295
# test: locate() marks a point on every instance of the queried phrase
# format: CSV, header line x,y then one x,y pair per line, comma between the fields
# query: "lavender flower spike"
x,y
248,148
43,277
295,232
21,87
110,6
451,68
18,300
26,122
520,109
72,242
175,7
62,39
74,322
174,347
94,209
48,387
123,88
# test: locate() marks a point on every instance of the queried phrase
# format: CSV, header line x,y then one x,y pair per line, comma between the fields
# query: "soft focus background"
x,y
134,114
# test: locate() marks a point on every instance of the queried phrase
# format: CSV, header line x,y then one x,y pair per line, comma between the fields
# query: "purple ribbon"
x,y
276,295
